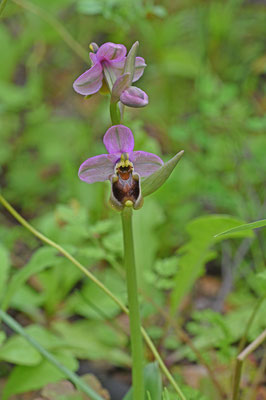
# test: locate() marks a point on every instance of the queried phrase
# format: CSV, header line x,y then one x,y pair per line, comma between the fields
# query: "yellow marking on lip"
x,y
124,162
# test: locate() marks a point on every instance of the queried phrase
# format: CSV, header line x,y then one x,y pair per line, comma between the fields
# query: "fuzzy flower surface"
x,y
108,59
122,166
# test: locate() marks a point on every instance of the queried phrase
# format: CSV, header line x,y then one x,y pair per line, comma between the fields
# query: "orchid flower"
x,y
108,62
122,166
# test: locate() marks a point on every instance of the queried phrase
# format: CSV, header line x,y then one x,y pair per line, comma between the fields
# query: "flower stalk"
x,y
133,304
125,169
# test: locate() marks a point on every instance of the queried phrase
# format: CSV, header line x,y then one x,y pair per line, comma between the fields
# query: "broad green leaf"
x,y
93,340
146,222
4,269
244,227
27,378
195,253
42,258
17,349
91,303
212,329
45,338
57,282
29,301
157,179
152,382
167,266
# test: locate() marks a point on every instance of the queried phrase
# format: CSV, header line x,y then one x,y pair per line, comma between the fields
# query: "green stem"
x,y
133,303
13,324
238,364
250,321
115,114
240,359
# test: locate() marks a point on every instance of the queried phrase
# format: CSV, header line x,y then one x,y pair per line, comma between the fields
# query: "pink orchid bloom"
x,y
122,166
108,59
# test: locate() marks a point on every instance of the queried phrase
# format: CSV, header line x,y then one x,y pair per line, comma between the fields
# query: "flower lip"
x,y
126,187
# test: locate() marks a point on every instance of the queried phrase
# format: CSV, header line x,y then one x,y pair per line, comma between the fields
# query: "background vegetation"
x,y
206,83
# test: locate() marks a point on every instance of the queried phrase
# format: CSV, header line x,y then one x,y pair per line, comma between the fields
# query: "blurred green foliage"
x,y
206,83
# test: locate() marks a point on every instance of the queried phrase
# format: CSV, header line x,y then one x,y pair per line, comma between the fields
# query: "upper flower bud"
x,y
94,47
134,97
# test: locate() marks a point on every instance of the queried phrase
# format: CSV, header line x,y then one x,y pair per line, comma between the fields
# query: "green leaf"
x,y
25,378
122,83
196,252
167,266
42,258
93,340
157,179
166,394
2,337
90,7
146,223
4,269
130,60
91,303
262,275
152,382
244,227
18,351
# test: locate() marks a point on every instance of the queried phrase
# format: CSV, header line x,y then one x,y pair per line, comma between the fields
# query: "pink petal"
x,y
97,169
118,67
111,51
89,82
119,139
93,58
145,163
134,97
139,68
